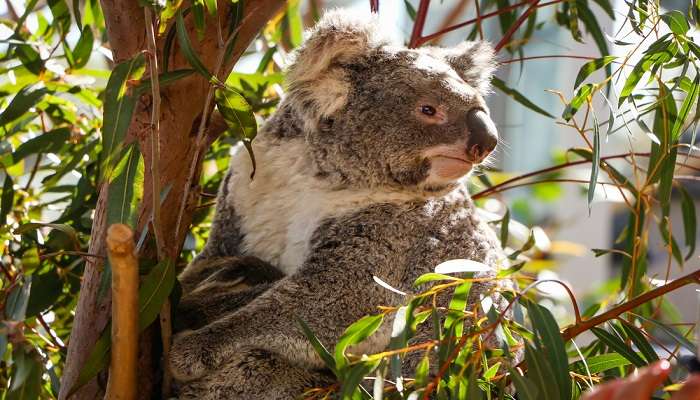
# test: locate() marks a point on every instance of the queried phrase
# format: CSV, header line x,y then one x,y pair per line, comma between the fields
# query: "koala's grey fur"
x,y
343,192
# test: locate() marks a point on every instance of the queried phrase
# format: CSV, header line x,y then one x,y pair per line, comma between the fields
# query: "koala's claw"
x,y
189,360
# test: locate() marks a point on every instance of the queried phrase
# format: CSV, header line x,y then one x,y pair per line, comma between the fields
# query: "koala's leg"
x,y
256,374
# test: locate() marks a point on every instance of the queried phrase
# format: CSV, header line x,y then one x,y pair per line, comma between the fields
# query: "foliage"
x,y
66,108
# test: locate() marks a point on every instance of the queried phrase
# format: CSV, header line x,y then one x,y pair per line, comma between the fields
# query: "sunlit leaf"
x,y
354,334
25,99
689,221
118,110
582,95
588,68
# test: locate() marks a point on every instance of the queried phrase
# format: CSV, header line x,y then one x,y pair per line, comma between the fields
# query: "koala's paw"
x,y
190,357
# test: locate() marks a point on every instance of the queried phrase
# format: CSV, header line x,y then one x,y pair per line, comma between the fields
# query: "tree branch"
x,y
576,329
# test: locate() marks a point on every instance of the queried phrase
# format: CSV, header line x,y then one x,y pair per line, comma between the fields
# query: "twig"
x,y
514,60
416,34
125,313
155,131
576,329
47,328
513,28
165,326
35,168
495,188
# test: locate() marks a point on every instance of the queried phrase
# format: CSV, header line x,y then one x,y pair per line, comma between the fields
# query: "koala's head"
x,y
378,114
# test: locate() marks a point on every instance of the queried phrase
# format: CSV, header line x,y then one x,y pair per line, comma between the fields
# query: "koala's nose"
x,y
483,136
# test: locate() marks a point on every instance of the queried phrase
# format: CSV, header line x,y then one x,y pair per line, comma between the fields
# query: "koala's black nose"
x,y
483,136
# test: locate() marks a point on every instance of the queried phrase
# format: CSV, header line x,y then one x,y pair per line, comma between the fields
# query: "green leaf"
x,y
588,68
164,79
595,162
591,23
16,303
25,99
505,224
118,109
456,308
30,59
599,363
517,96
237,113
354,334
154,290
317,345
351,383
658,53
68,230
525,388
688,103
410,10
120,197
49,142
549,340
676,21
581,96
689,221
296,27
189,52
640,341
211,6
198,17
672,332
46,288
26,378
7,198
83,49
614,343
540,372
431,277
61,15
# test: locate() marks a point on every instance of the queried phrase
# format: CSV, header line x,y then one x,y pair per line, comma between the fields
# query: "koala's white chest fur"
x,y
284,204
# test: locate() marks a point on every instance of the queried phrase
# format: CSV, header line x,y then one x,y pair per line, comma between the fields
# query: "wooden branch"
x,y
125,313
419,24
576,329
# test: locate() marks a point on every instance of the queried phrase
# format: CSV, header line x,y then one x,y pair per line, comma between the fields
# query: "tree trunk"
x,y
181,110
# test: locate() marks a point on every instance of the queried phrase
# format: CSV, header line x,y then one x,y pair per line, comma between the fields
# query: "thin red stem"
x,y
374,6
511,31
512,60
576,329
495,188
421,14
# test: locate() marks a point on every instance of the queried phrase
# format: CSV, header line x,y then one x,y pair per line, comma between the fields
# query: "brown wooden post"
x,y
125,313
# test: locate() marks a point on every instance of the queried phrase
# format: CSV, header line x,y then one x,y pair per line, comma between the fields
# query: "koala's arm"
x,y
333,289
216,286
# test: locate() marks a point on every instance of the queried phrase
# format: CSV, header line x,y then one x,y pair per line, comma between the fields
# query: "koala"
x,y
361,172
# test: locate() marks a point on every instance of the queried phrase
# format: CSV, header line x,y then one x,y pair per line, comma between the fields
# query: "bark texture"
x,y
181,110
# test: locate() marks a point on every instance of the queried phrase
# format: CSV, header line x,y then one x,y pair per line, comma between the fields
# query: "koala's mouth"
x,y
449,167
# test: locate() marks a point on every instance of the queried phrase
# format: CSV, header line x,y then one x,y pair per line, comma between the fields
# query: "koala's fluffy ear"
x,y
338,38
475,62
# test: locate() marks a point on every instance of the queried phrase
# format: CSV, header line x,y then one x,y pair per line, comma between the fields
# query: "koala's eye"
x,y
428,110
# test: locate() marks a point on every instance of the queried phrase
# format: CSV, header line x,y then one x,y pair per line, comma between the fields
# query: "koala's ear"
x,y
338,38
475,62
